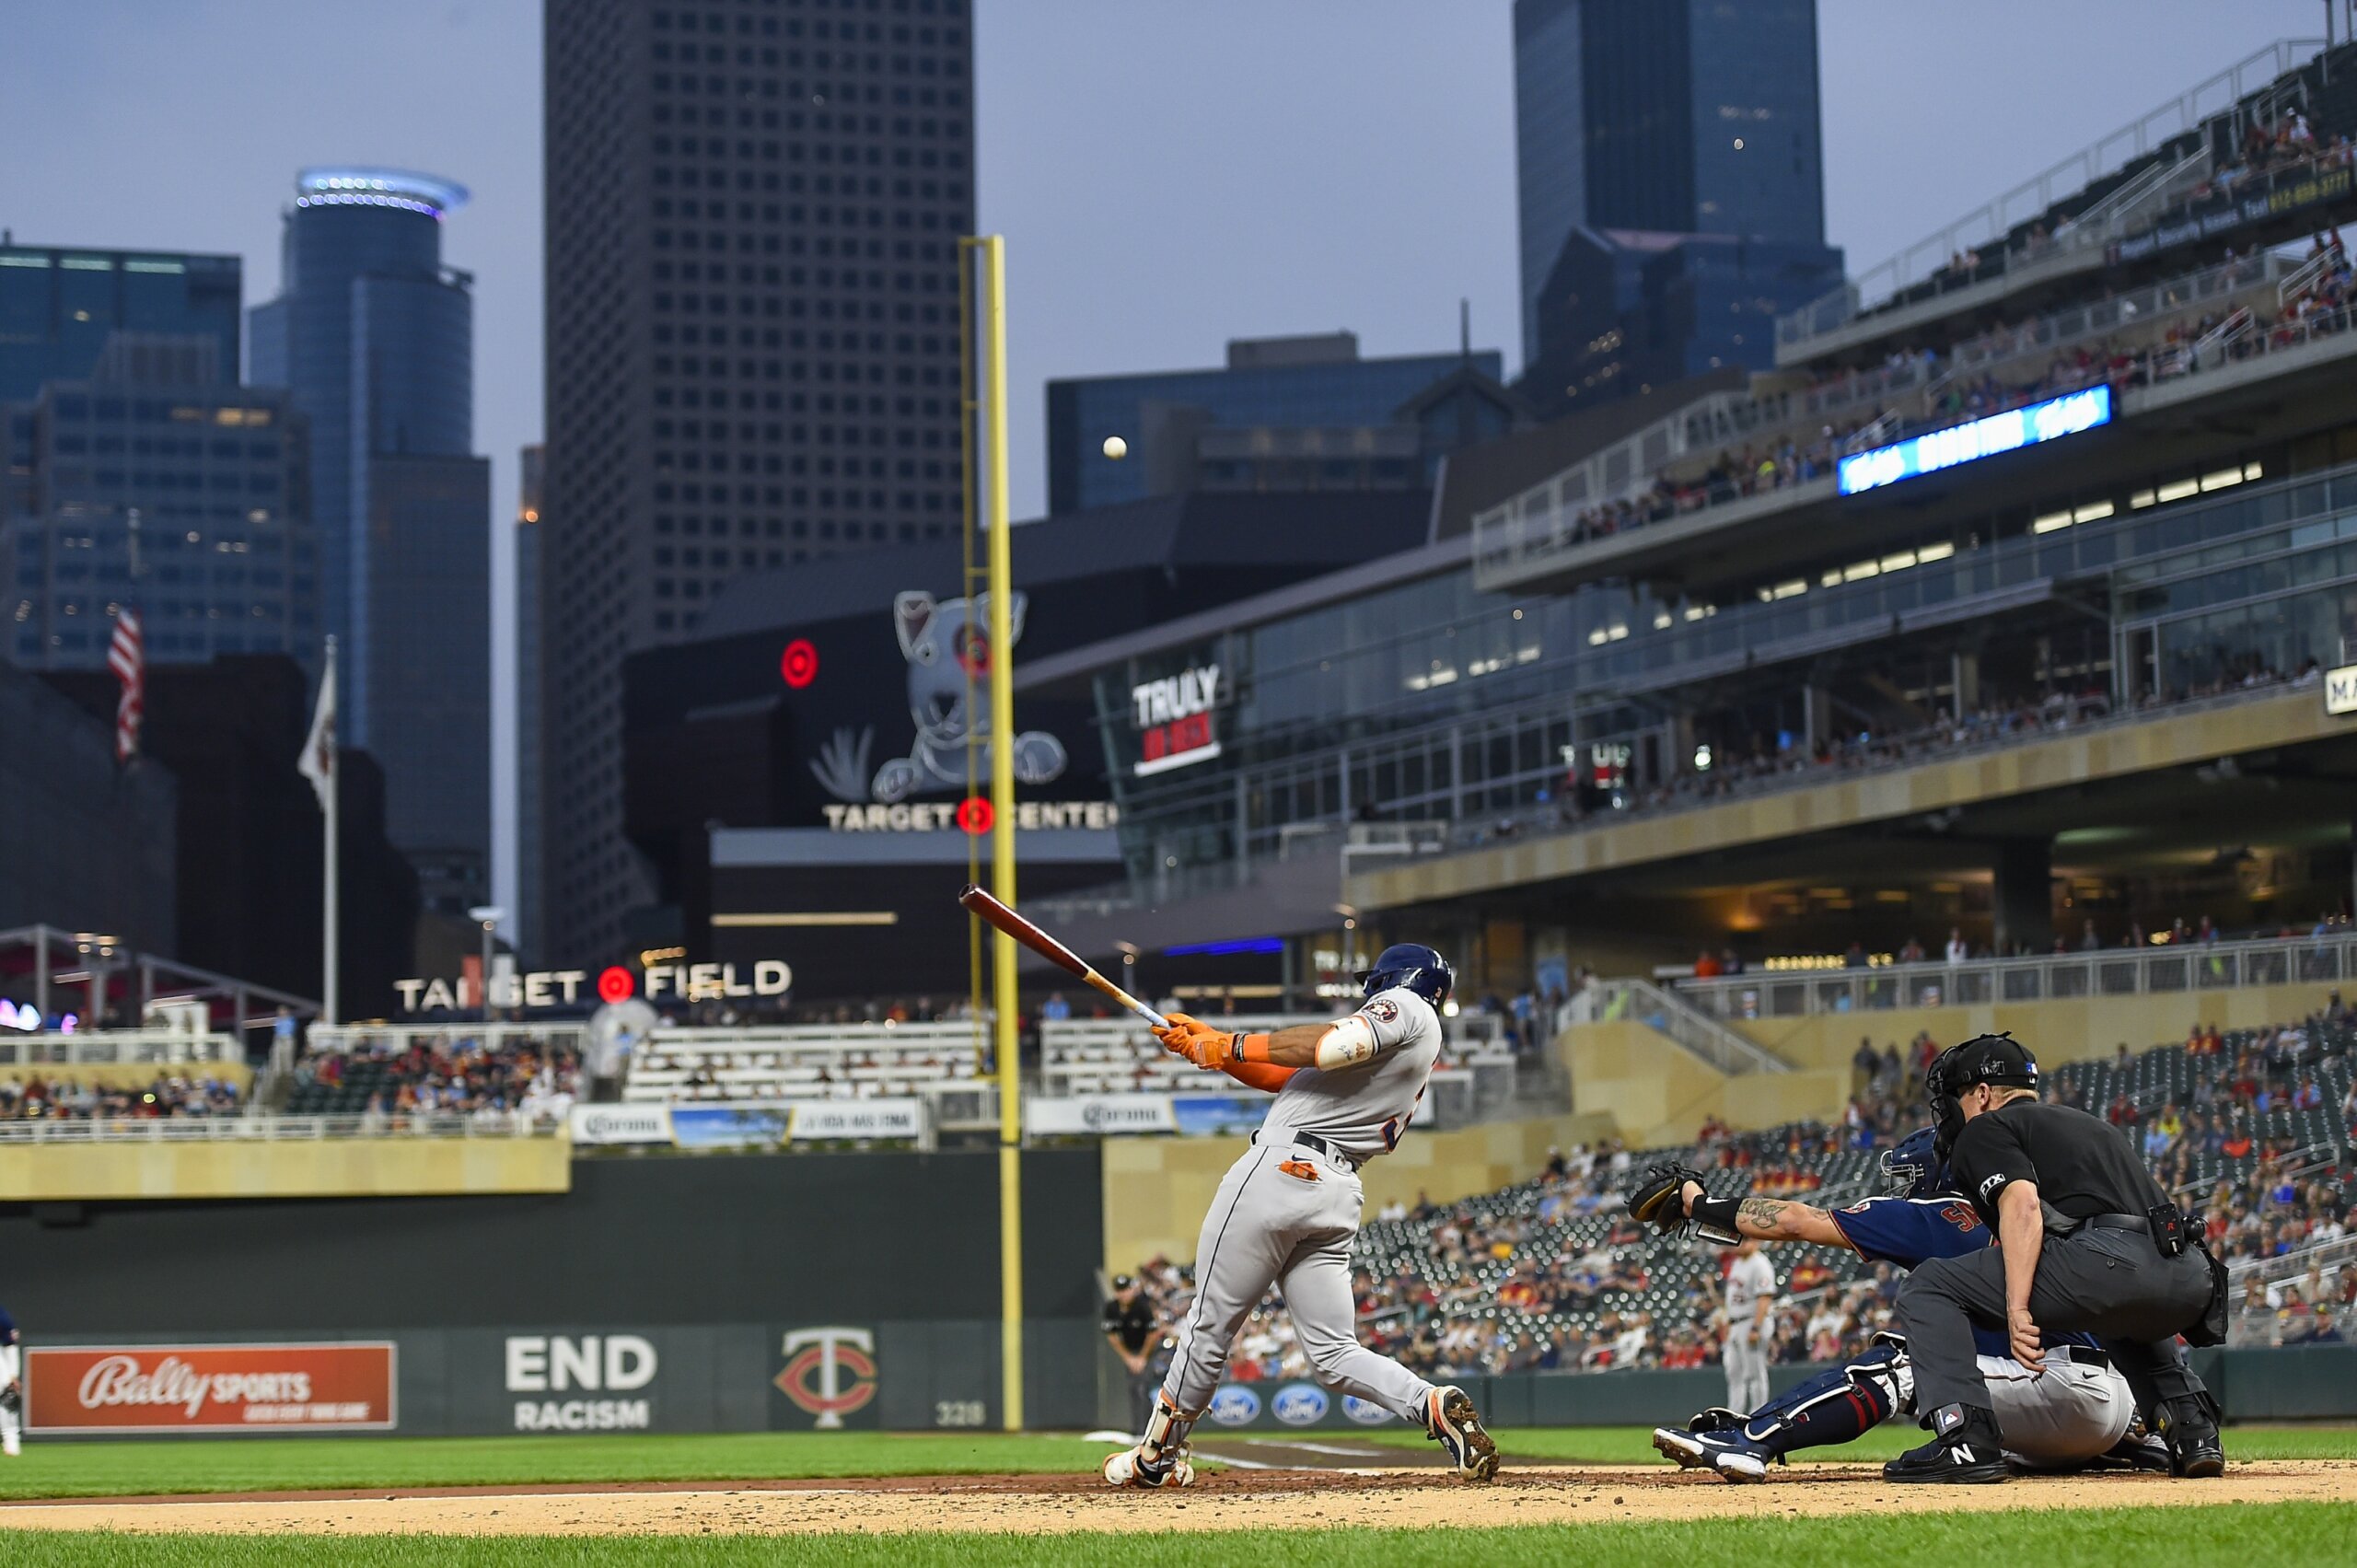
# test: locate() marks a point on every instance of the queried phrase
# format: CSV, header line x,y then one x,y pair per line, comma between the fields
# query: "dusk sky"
x,y
1169,176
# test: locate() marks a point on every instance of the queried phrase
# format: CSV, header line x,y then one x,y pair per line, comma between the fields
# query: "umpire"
x,y
2088,1241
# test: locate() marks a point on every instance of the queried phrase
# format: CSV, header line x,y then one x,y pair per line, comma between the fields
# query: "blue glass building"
x,y
1656,119
151,481
1285,413
374,335
58,307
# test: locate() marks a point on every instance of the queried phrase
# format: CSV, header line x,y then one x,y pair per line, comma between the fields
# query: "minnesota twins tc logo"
x,y
828,1372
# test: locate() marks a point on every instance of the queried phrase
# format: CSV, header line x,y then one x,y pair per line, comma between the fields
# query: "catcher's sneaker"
x,y
1968,1450
1131,1468
1724,1449
1451,1421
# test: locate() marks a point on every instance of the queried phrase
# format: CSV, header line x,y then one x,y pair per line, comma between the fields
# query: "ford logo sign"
x,y
1299,1404
1233,1406
1362,1413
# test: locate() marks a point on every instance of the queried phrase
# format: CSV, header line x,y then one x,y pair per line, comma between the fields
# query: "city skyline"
x,y
1224,193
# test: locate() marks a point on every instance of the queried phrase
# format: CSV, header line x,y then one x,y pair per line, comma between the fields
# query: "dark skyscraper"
x,y
58,307
375,336
752,222
1667,117
529,901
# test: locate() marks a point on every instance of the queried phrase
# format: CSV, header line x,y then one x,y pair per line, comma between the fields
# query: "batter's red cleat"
x,y
1451,1420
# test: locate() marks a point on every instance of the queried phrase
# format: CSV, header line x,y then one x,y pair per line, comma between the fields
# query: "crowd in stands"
x,y
394,1078
71,1099
1955,398
2253,1130
1761,768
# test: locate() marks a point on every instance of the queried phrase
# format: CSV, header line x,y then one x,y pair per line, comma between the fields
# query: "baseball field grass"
x,y
138,1468
2225,1534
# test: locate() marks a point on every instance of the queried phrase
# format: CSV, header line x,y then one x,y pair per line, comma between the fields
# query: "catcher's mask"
x,y
1915,1167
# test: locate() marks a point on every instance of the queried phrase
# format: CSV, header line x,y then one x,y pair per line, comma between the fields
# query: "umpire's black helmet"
x,y
1410,966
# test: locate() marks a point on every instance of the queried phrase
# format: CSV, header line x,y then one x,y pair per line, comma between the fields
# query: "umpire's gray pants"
x,y
2112,1284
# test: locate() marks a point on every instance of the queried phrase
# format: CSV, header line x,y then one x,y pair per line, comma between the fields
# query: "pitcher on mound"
x,y
1287,1211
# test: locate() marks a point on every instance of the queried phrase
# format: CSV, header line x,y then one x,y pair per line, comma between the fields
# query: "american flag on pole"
x,y
127,656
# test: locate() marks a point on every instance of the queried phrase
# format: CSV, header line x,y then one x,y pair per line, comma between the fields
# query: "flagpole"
x,y
333,922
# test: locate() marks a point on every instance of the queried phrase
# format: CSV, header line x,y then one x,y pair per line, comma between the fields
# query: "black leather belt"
x,y
2086,1355
1312,1142
2117,1222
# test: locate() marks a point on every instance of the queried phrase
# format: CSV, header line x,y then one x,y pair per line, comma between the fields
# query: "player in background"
x,y
1751,1303
1289,1208
2079,1410
12,1387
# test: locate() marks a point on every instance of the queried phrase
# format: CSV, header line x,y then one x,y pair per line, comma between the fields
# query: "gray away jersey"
x,y
1364,1110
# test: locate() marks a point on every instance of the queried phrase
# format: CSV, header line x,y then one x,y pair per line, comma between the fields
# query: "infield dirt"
x,y
1231,1500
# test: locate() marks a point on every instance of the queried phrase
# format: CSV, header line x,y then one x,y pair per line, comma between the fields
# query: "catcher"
x,y
2077,1411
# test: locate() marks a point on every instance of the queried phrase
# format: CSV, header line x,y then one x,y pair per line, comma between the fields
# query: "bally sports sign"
x,y
347,1387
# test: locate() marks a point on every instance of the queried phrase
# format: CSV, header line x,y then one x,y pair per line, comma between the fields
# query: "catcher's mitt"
x,y
1655,1202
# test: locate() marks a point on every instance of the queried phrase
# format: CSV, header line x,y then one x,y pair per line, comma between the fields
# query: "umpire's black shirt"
x,y
1134,1324
2082,1164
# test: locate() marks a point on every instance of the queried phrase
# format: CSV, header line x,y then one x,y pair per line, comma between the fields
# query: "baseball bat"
x,y
1055,952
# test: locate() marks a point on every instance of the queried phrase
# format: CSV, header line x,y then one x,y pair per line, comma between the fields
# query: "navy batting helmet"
x,y
1410,966
1916,1168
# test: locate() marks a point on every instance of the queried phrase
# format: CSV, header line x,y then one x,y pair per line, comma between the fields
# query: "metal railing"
x,y
2191,111
2175,968
121,1048
1676,1018
245,1129
2265,1325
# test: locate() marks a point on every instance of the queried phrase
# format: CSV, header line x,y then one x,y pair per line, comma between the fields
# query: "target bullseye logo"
x,y
799,664
975,816
614,985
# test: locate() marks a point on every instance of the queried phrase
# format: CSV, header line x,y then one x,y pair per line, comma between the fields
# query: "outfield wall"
x,y
605,1376
315,1168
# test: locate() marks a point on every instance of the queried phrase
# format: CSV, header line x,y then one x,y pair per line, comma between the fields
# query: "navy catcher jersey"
x,y
1908,1231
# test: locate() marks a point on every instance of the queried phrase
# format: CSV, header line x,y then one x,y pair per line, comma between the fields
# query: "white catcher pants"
x,y
1269,1226
2062,1417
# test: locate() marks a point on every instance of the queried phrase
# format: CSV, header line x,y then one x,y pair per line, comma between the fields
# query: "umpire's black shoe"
x,y
2191,1432
1967,1450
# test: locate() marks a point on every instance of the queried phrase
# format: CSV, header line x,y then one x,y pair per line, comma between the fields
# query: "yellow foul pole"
x,y
1002,673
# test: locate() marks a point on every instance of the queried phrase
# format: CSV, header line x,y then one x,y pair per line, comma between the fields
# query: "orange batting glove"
x,y
1173,1036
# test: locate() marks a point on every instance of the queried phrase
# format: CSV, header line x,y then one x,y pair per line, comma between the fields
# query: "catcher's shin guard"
x,y
1836,1406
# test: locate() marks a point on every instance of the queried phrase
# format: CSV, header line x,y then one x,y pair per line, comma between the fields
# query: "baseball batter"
x,y
1288,1210
1752,1298
2076,1411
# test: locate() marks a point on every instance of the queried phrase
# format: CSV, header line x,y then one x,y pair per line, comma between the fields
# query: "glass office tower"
x,y
374,335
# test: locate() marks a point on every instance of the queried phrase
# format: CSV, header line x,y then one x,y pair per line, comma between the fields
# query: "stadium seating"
x,y
1551,1275
1095,1056
812,1061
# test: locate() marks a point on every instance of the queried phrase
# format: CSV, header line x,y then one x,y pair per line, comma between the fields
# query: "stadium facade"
x,y
2004,603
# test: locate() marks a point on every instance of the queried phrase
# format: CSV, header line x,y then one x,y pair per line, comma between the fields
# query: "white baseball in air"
x,y
1116,448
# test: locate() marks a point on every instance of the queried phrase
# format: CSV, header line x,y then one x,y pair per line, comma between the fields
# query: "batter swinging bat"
x,y
1055,952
